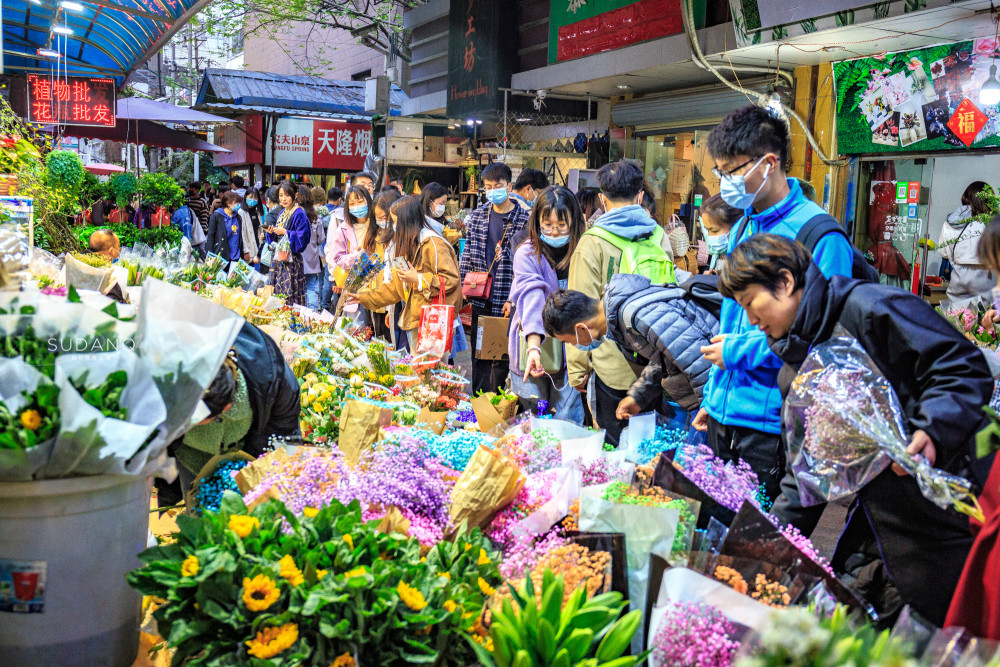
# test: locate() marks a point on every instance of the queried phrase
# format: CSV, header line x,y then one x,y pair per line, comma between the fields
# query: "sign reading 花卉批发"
x,y
71,100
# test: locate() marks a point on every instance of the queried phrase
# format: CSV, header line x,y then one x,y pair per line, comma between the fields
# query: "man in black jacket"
x,y
898,547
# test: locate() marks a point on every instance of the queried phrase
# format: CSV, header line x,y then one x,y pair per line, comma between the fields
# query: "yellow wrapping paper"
x,y
359,428
489,416
489,483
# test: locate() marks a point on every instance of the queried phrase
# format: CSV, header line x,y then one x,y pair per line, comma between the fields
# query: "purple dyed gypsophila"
x,y
803,544
599,471
694,635
537,490
728,483
525,552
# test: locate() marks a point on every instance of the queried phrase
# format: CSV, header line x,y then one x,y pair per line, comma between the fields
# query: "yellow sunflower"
x,y
243,525
344,660
31,420
260,592
272,640
410,596
290,571
483,558
486,588
189,567
310,512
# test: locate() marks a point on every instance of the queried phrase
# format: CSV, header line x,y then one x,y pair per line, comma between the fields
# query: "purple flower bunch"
x,y
694,635
308,479
803,544
729,483
536,491
527,550
599,471
534,451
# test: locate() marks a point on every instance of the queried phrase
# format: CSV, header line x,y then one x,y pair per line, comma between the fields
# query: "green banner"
x,y
917,101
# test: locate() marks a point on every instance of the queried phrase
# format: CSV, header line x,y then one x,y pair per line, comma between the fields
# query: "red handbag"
x,y
477,284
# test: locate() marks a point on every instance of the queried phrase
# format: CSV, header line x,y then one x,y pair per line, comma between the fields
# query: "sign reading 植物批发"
x,y
71,100
480,57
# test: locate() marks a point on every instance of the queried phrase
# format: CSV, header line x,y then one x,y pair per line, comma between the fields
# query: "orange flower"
x,y
310,512
31,420
350,540
344,660
410,596
272,640
260,592
290,571
243,525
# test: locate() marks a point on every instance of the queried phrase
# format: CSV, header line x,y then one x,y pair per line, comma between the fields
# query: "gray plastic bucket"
x,y
87,532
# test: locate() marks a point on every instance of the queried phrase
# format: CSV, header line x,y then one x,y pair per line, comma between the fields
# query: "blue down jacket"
x,y
666,333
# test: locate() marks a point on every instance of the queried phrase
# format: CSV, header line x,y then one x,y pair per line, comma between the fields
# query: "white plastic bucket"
x,y
87,531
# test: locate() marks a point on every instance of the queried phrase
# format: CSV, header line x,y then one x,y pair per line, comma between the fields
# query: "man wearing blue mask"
x,y
741,411
527,186
489,257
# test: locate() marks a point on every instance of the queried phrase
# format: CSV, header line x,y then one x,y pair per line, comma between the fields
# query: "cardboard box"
x,y
405,129
433,149
492,337
410,150
681,175
454,152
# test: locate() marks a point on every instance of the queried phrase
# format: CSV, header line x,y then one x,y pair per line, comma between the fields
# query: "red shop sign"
x,y
72,100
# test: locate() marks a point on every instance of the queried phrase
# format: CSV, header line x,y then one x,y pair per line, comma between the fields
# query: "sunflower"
x,y
260,592
450,605
310,512
483,558
290,571
31,420
243,525
349,540
356,572
344,660
410,596
189,567
486,588
272,640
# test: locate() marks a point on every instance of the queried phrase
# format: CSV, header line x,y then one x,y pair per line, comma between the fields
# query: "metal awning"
x,y
144,132
102,38
240,91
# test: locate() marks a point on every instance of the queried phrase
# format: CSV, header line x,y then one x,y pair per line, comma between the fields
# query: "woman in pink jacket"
x,y
344,244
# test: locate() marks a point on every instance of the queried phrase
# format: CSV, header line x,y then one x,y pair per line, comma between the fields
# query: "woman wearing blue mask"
x,y
344,244
294,222
717,220
225,237
541,268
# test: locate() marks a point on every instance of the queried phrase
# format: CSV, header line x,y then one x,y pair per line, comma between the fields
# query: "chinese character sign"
x,y
319,144
74,100
479,60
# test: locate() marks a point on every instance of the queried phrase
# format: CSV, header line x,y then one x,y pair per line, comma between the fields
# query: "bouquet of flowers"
x,y
967,320
363,267
844,425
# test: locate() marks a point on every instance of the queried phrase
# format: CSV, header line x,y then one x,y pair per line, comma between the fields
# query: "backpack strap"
x,y
743,227
615,240
816,228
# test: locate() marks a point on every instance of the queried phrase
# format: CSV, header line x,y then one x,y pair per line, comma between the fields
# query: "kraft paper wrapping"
x,y
432,421
250,477
359,428
488,484
490,416
394,522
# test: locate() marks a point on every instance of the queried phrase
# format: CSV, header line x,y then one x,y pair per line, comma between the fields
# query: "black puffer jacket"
x,y
942,382
661,327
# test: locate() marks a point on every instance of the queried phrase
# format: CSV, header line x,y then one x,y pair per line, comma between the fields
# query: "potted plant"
x,y
160,191
122,187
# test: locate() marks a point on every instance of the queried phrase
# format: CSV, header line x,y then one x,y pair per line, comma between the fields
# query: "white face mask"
x,y
439,210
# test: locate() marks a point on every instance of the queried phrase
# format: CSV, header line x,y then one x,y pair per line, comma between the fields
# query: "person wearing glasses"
x,y
741,410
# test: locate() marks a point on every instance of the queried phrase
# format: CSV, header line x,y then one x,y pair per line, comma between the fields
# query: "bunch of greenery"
x,y
129,235
92,190
65,170
264,587
122,188
160,190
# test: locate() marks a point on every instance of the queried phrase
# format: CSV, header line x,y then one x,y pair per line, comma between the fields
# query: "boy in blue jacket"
x,y
741,411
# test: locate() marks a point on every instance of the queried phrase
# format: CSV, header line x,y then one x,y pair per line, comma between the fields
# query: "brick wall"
x,y
307,49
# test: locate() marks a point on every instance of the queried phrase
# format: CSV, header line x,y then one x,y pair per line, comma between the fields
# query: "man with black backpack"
x,y
741,411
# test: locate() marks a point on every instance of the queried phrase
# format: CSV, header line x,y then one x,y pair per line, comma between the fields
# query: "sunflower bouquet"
x,y
267,587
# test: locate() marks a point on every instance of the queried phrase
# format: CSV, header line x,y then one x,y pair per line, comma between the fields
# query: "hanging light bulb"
x,y
989,94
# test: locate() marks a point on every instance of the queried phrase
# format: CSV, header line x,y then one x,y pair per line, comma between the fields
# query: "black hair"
x,y
364,174
589,201
194,187
409,221
431,192
222,390
237,181
304,198
254,193
383,201
973,197
272,194
496,172
760,260
563,202
391,188
229,197
989,245
751,131
358,191
533,177
288,188
334,194
649,200
620,181
717,207
567,308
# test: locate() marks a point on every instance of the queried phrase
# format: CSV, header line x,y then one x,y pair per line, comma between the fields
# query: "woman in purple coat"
x,y
287,276
541,268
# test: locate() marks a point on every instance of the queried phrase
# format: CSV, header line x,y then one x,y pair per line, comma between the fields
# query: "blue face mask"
x,y
236,207
733,188
592,345
555,241
717,243
359,212
251,203
497,196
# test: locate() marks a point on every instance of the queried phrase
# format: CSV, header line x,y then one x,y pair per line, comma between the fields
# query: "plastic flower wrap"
x,y
844,425
363,267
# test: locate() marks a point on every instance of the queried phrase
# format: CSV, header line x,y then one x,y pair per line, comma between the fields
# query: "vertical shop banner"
x,y
319,144
480,57
72,100
578,29
918,101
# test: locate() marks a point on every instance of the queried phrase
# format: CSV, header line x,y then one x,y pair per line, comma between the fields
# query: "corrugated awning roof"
x,y
240,91
106,37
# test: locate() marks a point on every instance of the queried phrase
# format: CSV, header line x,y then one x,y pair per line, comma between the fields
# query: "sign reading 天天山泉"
x,y
918,101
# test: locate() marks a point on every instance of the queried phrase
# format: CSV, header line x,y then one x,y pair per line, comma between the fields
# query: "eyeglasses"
x,y
561,228
719,173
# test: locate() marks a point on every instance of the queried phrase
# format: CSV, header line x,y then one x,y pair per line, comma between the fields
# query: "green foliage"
x,y
129,235
123,187
797,637
345,586
161,190
179,165
92,189
580,632
65,170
